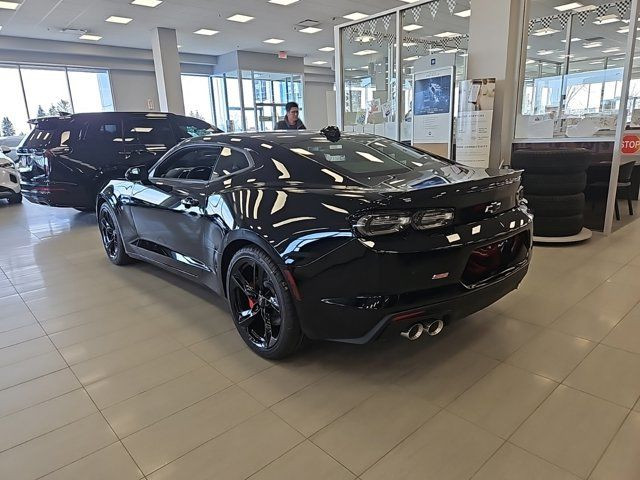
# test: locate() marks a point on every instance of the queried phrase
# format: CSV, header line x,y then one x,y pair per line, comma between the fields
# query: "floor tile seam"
x,y
176,412
22,341
118,330
80,459
15,328
161,335
246,420
550,462
78,419
276,459
599,397
422,424
184,374
214,367
34,378
57,319
293,393
488,459
308,437
22,409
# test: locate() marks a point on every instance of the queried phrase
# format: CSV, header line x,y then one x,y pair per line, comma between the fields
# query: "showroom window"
x,y
33,91
573,72
198,101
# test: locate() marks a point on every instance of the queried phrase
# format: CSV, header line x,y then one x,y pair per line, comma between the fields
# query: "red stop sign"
x,y
630,144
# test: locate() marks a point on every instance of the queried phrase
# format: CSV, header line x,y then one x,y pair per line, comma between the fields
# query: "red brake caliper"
x,y
252,303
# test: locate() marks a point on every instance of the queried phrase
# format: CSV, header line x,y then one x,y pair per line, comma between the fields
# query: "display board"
x,y
475,118
433,110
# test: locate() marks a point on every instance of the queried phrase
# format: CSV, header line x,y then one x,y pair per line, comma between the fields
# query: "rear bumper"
x,y
57,194
355,294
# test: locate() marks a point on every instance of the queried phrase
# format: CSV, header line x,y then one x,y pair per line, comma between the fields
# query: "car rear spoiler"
x,y
60,116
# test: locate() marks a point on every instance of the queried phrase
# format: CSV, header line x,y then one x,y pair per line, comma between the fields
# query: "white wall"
x,y
131,90
315,104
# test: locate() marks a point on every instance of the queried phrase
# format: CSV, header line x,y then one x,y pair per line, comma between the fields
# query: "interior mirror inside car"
x,y
5,149
137,174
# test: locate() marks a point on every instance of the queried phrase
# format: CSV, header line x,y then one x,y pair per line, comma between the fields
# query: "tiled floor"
x,y
129,373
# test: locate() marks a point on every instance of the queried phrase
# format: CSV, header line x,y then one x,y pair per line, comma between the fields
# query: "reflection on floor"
x,y
129,373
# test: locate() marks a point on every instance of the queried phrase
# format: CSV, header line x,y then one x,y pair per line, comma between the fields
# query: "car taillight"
x,y
429,219
375,224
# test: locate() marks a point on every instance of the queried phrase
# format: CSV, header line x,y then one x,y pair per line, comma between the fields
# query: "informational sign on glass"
x,y
473,125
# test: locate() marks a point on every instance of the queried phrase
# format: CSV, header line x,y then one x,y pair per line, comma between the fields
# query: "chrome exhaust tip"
x,y
434,328
413,332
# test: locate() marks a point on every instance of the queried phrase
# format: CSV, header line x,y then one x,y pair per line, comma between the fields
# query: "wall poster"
x,y
473,125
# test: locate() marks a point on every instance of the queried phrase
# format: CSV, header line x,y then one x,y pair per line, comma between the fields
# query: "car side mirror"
x,y
138,175
6,150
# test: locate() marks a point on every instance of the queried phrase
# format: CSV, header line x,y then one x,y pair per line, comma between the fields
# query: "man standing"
x,y
291,120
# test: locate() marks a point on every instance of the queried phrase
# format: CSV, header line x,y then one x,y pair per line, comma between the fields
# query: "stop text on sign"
x,y
630,144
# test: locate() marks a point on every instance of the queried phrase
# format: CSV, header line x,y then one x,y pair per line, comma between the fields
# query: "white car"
x,y
9,178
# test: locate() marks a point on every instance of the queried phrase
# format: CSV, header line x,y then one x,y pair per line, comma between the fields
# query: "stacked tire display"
x,y
554,183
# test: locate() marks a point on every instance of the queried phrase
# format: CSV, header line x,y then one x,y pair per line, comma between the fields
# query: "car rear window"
x,y
365,156
193,127
43,136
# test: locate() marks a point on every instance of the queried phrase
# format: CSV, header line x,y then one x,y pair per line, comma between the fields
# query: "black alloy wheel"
x,y
261,305
110,235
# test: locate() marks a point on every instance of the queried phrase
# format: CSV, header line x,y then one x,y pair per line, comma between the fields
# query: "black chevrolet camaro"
x,y
322,235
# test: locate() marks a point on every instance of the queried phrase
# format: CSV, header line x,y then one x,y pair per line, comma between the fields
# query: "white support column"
x,y
167,65
495,32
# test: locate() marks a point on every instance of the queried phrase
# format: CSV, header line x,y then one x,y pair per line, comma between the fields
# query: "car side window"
x,y
106,133
230,161
189,164
154,134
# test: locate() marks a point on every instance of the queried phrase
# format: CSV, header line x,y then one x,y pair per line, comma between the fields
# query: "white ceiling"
x,y
44,19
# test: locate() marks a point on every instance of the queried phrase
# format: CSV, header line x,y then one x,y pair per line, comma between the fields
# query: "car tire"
x,y
554,184
111,236
556,205
15,198
557,226
551,161
262,307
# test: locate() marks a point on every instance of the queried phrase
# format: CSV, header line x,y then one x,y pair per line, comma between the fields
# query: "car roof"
x,y
277,137
104,114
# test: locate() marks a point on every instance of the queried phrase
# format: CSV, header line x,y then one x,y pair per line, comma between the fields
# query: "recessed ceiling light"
x,y
448,35
283,2
120,20
311,30
365,52
597,62
574,39
568,6
273,40
605,19
355,16
326,49
412,27
411,59
365,39
9,5
206,31
452,50
611,50
88,36
147,3
409,1
529,62
545,52
238,17
464,13
319,62
545,31
586,8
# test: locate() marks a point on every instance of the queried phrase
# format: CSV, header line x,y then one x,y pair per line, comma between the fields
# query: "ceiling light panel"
x,y
283,2
606,19
326,49
9,5
568,6
311,30
147,3
88,36
319,62
412,27
120,20
206,31
544,31
355,16
365,52
240,18
464,13
273,41
448,35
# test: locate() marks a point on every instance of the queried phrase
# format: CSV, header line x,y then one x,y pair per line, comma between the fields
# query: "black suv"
x,y
66,160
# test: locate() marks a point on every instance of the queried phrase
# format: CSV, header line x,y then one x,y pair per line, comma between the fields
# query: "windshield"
x,y
365,156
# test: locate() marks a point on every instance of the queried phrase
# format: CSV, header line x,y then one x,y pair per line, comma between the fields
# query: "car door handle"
x,y
190,202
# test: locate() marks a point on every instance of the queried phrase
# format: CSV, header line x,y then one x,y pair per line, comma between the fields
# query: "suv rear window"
x,y
365,156
54,132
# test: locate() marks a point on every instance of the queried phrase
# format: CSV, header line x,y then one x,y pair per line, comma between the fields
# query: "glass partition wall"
x,y
371,63
253,101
